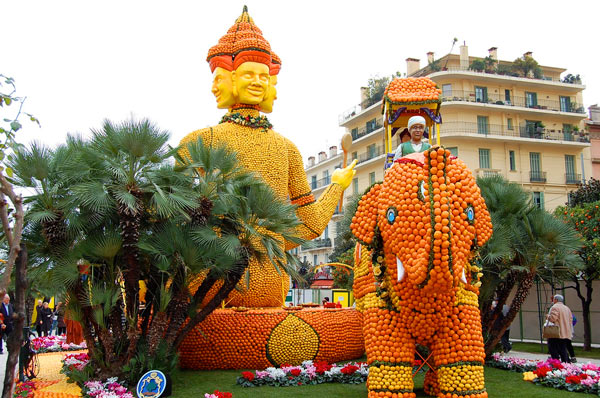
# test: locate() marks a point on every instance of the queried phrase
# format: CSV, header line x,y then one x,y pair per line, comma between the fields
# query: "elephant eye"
x,y
391,215
470,212
421,191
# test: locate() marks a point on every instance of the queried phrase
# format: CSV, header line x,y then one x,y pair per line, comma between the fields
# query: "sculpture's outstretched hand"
x,y
344,177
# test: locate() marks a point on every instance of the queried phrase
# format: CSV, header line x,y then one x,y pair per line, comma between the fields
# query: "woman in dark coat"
x,y
60,320
46,319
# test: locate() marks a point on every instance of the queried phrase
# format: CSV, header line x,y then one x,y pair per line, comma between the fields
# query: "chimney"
x,y
430,58
493,53
364,94
311,161
464,56
332,151
595,113
412,65
322,156
528,54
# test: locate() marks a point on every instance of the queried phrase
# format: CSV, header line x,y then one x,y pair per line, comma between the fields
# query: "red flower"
x,y
574,379
542,371
248,376
295,372
220,394
349,369
322,367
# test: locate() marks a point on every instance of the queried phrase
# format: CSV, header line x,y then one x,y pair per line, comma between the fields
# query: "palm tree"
x,y
527,242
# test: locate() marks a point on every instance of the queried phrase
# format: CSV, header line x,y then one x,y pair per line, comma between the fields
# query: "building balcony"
x,y
572,178
366,130
357,110
323,182
371,154
485,130
318,244
487,172
537,176
500,99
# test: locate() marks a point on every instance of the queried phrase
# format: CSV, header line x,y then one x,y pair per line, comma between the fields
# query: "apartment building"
x,y
593,127
530,130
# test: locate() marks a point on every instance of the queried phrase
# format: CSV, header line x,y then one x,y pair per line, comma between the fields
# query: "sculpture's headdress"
x,y
243,42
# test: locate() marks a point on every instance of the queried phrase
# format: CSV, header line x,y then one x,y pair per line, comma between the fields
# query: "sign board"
x,y
151,385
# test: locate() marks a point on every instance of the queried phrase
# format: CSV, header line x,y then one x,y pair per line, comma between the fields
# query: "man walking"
x,y
7,310
560,315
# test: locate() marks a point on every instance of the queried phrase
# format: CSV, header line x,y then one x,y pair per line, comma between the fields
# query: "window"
x,y
446,90
354,155
481,94
507,96
313,182
483,125
570,169
565,104
533,129
304,261
453,151
509,123
355,133
568,132
534,161
512,161
315,259
355,186
326,232
530,99
372,178
538,199
371,125
484,158
326,179
371,151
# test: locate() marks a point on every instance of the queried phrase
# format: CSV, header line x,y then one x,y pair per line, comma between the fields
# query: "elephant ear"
x,y
364,221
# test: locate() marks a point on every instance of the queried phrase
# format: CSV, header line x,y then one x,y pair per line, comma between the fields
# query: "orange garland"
x,y
259,338
416,231
412,89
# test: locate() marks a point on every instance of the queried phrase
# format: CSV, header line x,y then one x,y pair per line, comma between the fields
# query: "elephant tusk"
x,y
400,269
463,278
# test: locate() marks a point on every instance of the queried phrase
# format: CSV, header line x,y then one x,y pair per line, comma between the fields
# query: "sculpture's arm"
x,y
314,214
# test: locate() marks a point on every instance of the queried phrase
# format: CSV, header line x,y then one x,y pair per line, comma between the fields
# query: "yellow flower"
x,y
529,376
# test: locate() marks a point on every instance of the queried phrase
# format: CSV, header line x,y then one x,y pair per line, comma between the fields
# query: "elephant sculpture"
x,y
415,278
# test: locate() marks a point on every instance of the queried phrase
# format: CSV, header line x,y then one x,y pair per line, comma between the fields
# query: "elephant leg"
x,y
431,385
390,354
460,356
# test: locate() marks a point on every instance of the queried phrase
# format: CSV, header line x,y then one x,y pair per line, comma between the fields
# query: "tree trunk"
x,y
503,293
586,303
495,334
231,280
16,336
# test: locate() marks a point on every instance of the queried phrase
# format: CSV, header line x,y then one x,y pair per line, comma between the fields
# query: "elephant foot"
x,y
390,380
431,385
461,379
385,394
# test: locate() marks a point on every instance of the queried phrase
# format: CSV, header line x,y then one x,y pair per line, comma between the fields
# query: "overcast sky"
x,y
79,62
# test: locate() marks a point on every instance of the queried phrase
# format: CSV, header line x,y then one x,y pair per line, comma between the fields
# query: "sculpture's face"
x,y
267,104
250,83
222,88
416,132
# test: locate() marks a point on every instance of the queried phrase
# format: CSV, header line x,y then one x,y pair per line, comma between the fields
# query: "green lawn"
x,y
543,348
499,383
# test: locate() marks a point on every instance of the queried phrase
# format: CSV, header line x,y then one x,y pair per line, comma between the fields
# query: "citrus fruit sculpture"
x,y
245,72
415,278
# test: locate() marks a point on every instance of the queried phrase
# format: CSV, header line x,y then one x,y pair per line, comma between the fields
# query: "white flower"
x,y
307,363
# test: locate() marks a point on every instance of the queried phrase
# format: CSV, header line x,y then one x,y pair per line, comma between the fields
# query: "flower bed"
x,y
553,373
54,344
24,389
512,363
111,388
218,394
308,373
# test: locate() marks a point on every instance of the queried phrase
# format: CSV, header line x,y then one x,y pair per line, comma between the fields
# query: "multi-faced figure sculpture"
x,y
244,76
415,278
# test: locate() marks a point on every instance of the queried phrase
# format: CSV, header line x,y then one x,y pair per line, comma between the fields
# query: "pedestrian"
x,y
561,316
505,340
38,318
46,319
325,301
61,326
7,311
570,349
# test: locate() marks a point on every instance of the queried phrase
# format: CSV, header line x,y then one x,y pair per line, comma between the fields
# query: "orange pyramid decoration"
x,y
243,42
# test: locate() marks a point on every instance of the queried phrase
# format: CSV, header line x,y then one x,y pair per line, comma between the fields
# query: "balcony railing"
x,y
537,176
323,182
571,178
366,130
522,131
487,172
317,244
371,154
358,108
500,99
467,69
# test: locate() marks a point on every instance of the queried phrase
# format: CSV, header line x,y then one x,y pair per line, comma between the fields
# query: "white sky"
x,y
79,62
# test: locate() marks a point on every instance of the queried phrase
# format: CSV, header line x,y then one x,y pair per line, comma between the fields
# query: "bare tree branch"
x,y
7,189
